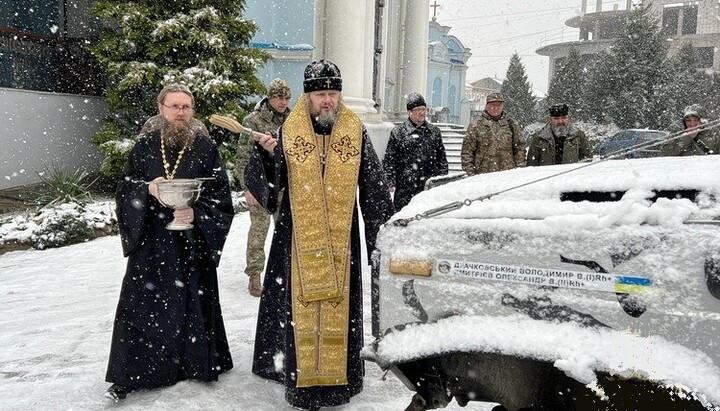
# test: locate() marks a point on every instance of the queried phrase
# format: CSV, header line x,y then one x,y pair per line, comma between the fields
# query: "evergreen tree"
x,y
519,101
595,99
685,85
633,74
568,84
711,98
146,44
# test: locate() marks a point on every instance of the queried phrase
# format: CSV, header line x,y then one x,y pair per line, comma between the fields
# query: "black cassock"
x,y
274,338
168,325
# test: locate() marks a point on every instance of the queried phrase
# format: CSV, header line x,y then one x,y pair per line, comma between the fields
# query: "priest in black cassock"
x,y
168,325
310,324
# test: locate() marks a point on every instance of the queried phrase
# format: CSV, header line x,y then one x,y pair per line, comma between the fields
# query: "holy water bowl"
x,y
179,193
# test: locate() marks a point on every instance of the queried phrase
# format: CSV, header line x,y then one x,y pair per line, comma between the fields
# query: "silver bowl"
x,y
179,193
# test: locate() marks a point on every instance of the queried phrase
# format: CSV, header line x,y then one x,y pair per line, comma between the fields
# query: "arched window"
x,y
437,92
452,103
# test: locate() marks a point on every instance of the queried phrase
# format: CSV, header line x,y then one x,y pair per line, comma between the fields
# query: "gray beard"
x,y
326,120
559,131
177,135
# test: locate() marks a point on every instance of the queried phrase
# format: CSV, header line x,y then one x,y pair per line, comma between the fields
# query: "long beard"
x,y
177,134
559,131
326,120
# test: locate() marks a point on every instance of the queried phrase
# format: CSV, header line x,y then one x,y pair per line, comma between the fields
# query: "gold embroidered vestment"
x,y
322,185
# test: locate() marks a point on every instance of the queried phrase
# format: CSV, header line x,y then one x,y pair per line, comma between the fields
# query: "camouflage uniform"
x,y
263,119
492,145
704,142
543,148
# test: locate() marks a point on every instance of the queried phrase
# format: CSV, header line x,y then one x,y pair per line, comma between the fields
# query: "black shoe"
x,y
117,392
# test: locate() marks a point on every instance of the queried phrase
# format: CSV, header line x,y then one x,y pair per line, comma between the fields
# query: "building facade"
x,y
447,69
394,63
694,22
50,89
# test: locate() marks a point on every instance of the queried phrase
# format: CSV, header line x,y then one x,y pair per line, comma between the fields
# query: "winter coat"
x,y
263,119
492,145
541,150
413,154
688,145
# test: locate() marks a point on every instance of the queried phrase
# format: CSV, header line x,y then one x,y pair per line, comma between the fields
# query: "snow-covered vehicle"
x,y
568,287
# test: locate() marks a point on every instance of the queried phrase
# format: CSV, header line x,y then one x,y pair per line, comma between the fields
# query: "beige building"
x,y
475,95
600,23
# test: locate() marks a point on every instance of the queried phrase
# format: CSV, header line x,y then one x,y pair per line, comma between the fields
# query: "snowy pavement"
x,y
58,307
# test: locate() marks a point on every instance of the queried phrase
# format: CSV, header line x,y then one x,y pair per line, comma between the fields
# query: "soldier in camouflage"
x,y
494,141
268,115
698,141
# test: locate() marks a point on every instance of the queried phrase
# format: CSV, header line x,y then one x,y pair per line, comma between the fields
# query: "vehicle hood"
x,y
578,351
535,192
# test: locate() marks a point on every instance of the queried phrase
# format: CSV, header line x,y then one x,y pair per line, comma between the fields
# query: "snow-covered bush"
x,y
597,133
59,225
59,230
63,224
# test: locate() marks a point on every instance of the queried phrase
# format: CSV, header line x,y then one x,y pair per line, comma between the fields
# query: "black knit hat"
x,y
322,75
559,110
415,100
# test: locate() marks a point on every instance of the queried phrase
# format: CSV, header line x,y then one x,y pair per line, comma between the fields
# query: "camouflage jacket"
x,y
541,150
492,145
263,119
689,146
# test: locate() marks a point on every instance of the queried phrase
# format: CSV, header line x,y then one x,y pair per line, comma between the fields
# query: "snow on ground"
x,y
59,304
58,307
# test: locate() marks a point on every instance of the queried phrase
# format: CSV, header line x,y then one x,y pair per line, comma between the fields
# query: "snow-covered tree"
x,y
596,100
685,84
519,101
711,99
632,76
146,44
568,84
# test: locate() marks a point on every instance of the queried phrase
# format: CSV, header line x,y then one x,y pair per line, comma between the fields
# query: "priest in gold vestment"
x,y
310,330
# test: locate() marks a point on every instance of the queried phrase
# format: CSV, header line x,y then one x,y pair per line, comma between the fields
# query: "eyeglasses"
x,y
177,108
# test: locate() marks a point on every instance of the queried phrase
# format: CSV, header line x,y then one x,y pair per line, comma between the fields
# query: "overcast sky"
x,y
495,29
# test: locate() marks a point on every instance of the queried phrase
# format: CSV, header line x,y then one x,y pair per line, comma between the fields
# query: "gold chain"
x,y
166,165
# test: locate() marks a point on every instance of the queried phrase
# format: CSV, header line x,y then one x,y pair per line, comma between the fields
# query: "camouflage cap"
x,y
694,110
495,97
278,88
